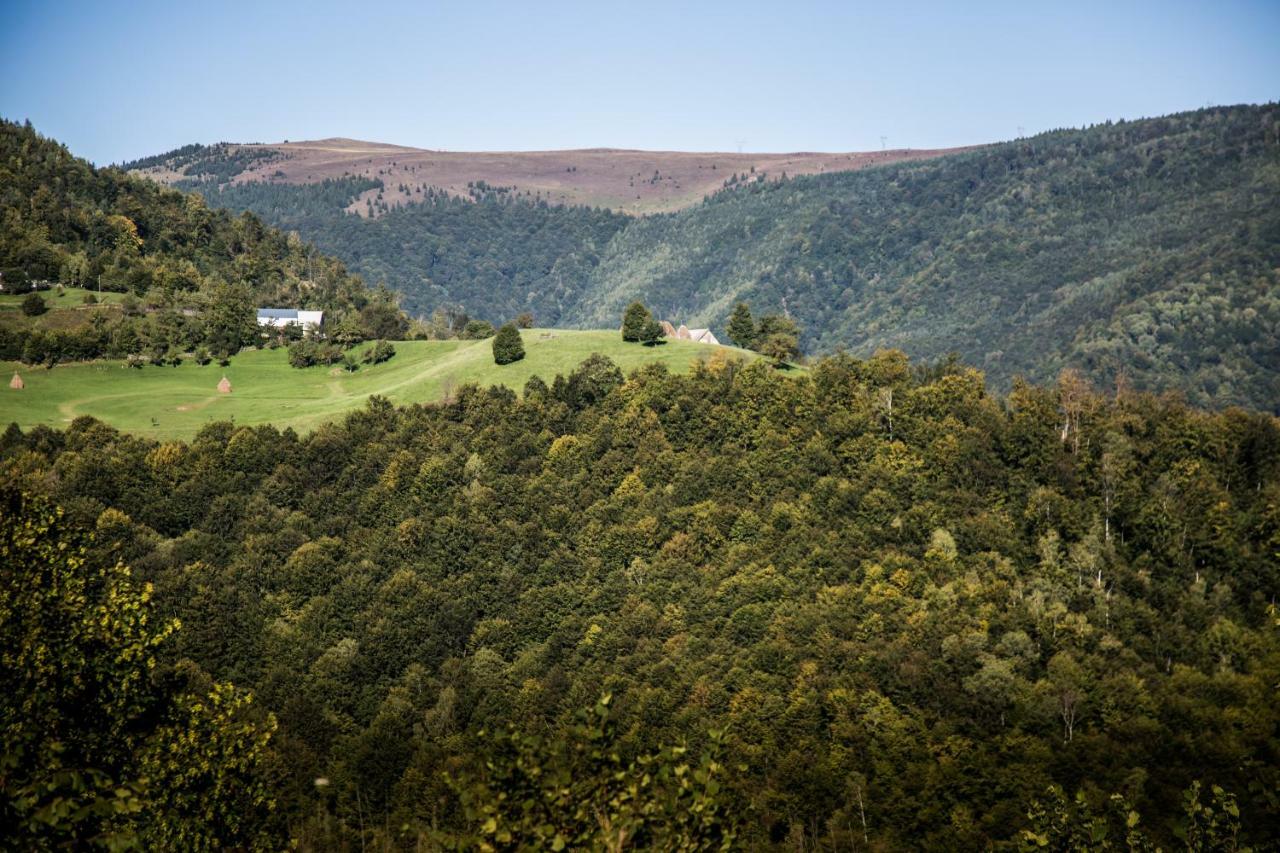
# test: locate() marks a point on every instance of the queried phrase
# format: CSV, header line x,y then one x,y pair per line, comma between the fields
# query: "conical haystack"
x,y
16,383
224,387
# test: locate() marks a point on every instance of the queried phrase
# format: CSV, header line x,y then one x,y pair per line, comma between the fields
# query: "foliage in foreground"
x,y
576,792
104,746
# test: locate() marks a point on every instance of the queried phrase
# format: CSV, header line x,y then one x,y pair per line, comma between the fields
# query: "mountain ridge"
x,y
627,180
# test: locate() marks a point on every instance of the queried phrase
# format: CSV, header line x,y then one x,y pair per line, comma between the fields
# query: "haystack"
x,y
16,383
224,387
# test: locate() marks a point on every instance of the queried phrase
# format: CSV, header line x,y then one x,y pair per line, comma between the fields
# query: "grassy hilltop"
x,y
175,402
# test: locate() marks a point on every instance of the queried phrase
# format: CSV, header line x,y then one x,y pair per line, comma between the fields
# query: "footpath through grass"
x,y
175,402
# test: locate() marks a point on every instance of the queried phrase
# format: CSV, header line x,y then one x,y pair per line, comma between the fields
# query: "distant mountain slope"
x,y
636,182
492,255
1148,248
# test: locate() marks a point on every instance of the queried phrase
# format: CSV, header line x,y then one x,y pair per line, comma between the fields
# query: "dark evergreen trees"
x,y
194,275
507,346
742,328
634,320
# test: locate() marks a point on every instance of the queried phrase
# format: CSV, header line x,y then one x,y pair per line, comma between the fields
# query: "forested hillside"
x,y
193,275
491,254
1148,248
875,606
1145,248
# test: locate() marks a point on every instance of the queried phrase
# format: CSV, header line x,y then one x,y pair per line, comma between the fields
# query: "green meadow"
x,y
175,402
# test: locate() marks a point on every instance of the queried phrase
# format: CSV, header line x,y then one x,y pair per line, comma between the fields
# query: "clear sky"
x,y
121,80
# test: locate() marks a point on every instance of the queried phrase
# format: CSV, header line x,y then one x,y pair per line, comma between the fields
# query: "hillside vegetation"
x,y
870,606
490,254
193,274
177,401
1147,249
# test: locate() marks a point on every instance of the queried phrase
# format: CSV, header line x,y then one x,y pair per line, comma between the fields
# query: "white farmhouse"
x,y
281,317
698,336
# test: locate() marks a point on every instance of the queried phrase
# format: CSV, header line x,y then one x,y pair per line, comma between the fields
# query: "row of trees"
x,y
913,608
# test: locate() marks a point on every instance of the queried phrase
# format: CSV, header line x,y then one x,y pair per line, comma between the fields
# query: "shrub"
x,y
33,305
477,330
308,353
507,346
379,352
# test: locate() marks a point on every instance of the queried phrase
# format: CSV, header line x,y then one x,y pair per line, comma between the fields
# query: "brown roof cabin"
x,y
16,383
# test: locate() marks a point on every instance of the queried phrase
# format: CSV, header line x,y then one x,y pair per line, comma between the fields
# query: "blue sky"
x,y
122,80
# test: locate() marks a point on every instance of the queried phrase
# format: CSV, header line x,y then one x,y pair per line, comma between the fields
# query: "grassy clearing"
x,y
175,402
72,297
67,311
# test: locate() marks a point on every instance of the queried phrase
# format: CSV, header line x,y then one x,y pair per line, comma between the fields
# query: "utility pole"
x,y
741,142
883,141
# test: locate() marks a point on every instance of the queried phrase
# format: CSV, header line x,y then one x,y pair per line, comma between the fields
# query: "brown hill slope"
x,y
631,181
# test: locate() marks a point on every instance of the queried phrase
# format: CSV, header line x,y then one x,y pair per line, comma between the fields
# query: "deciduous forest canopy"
x,y
900,599
1147,248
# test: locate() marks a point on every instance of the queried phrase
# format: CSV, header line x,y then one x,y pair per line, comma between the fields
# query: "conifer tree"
x,y
634,320
742,328
507,346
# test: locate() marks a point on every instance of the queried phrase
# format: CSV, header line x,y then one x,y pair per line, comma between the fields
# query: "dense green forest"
x,y
194,275
492,254
867,606
1144,248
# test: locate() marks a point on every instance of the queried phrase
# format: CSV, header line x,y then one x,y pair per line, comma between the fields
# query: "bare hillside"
x,y
625,180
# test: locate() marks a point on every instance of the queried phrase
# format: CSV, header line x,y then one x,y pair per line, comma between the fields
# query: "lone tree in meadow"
x,y
507,346
742,328
634,321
